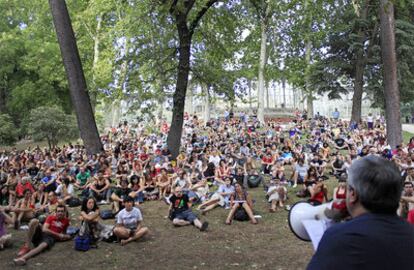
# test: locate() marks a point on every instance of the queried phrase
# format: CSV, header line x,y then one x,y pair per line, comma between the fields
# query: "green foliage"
x,y
52,124
8,131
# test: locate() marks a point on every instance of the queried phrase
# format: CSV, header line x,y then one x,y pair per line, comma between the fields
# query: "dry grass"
x,y
268,245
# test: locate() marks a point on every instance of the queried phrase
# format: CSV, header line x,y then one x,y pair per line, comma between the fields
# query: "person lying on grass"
x,y
128,223
44,237
180,211
221,197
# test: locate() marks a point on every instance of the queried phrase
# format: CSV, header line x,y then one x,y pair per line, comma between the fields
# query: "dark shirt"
x,y
370,241
339,142
180,204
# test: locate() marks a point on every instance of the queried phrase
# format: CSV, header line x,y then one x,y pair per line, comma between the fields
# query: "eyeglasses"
x,y
60,211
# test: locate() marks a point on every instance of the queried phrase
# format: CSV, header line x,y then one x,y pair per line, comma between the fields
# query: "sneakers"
x,y
23,250
295,185
102,202
204,226
167,200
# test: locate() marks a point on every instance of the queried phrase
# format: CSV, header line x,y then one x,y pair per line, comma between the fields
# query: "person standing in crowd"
x,y
335,114
375,238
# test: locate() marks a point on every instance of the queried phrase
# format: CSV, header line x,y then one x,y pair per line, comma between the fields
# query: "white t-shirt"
x,y
129,219
69,189
215,160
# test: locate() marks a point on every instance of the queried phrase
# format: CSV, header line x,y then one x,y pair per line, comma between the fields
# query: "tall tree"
x,y
186,25
389,59
74,71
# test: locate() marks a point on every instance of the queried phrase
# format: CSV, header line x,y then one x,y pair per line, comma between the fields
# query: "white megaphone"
x,y
303,210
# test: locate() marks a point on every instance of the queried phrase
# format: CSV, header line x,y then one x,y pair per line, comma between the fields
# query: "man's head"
x,y
178,192
60,211
374,185
124,183
408,188
128,203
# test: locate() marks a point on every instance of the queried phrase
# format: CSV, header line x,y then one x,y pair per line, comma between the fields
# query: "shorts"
x,y
40,237
50,188
187,215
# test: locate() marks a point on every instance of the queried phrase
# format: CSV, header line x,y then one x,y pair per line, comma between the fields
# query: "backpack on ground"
x,y
82,242
253,181
74,202
106,214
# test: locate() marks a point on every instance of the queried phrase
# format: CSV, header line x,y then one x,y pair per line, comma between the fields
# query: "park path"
x,y
408,128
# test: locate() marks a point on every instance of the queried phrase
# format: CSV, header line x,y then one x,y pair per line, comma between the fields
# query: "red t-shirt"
x,y
143,156
57,225
20,188
267,159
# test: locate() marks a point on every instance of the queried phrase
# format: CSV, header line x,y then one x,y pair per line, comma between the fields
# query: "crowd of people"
x,y
219,162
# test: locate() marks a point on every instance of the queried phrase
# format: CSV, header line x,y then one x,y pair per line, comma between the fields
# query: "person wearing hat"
x,y
128,223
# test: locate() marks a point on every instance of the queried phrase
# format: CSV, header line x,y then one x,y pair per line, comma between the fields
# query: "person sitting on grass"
x,y
300,172
240,202
44,237
83,179
100,189
65,190
128,223
180,211
119,195
89,217
338,210
163,183
24,209
277,194
318,192
221,197
5,219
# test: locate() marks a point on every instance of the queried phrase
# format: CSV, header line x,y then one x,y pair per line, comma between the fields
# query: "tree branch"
x,y
200,14
173,5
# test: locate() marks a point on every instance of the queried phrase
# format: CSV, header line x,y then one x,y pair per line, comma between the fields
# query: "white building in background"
x,y
278,97
325,106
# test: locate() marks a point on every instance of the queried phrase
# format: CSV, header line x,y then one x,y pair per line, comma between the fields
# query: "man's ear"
x,y
353,196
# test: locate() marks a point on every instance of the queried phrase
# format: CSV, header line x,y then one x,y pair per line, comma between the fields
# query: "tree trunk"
x,y
206,103
358,90
262,65
267,94
359,65
274,86
94,91
389,59
3,90
174,136
250,95
284,92
77,84
309,92
190,105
